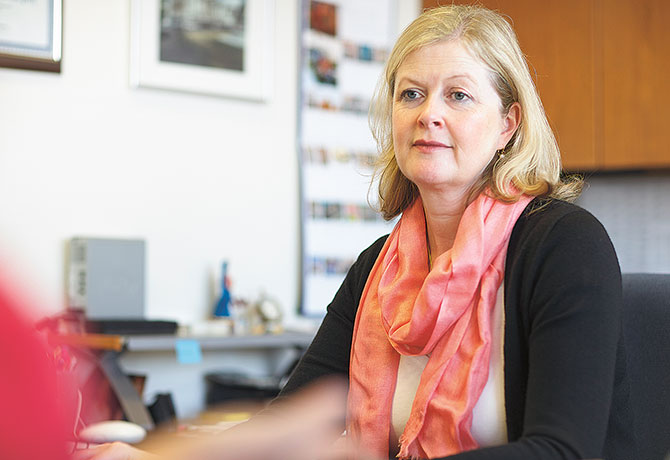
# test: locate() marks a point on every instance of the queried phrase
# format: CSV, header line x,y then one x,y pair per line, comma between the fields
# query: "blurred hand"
x,y
305,427
302,428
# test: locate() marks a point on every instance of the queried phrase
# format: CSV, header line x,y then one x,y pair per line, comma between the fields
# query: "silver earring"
x,y
500,153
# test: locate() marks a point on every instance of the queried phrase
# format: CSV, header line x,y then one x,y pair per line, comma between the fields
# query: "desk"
x,y
155,356
146,343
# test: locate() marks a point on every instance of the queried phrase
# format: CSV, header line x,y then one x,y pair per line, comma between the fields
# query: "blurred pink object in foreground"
x,y
35,422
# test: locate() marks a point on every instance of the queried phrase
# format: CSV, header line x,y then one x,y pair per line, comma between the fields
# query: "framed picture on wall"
x,y
215,47
31,34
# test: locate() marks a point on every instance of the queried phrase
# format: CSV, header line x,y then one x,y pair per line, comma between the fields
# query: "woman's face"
x,y
447,120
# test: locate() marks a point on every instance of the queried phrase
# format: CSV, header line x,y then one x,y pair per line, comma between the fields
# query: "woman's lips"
x,y
429,146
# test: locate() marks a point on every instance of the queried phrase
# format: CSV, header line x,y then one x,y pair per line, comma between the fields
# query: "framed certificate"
x,y
31,34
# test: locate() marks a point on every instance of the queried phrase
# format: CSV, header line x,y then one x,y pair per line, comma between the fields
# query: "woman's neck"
x,y
443,215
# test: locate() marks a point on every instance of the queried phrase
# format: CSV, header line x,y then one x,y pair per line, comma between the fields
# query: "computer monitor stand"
x,y
130,400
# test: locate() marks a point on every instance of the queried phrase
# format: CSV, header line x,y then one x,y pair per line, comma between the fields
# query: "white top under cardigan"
x,y
488,418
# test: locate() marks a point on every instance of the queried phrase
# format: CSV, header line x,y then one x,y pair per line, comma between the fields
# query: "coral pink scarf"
x,y
445,313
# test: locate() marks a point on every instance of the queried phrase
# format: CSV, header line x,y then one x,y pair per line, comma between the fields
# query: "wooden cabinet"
x,y
636,83
601,68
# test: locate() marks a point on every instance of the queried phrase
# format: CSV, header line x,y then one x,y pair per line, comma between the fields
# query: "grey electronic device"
x,y
106,277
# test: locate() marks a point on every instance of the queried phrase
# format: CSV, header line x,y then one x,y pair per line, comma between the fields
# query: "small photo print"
x,y
365,53
208,33
323,17
333,210
318,210
323,67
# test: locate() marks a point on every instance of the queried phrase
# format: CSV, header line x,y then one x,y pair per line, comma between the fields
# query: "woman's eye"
x,y
459,96
410,95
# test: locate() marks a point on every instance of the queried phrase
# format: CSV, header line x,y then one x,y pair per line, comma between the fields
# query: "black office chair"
x,y
646,325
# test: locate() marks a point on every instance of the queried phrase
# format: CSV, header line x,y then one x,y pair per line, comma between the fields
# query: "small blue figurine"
x,y
223,305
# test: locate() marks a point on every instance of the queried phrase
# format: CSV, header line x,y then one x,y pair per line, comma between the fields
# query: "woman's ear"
x,y
511,122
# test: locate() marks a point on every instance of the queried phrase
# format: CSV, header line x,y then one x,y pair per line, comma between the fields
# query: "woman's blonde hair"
x,y
531,161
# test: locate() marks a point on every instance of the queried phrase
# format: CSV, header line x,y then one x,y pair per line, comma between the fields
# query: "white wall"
x,y
200,178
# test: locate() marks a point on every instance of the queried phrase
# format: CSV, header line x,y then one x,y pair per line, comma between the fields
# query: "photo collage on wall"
x,y
343,55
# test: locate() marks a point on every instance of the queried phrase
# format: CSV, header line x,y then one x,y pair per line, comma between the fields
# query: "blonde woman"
x,y
487,324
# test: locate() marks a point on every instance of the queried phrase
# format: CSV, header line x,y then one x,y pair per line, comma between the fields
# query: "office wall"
x,y
200,178
635,210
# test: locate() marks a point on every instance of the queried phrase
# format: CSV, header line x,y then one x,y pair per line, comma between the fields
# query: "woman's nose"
x,y
432,114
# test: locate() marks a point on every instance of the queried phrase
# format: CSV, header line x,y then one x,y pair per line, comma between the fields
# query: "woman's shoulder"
x,y
549,224
552,208
543,215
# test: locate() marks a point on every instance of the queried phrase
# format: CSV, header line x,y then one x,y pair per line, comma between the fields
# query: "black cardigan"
x,y
566,390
